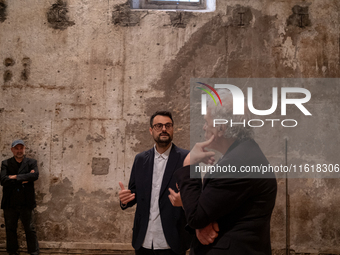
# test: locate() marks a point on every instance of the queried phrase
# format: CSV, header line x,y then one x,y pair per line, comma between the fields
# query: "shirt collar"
x,y
165,154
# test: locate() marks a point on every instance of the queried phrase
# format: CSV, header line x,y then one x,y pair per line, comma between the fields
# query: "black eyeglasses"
x,y
159,126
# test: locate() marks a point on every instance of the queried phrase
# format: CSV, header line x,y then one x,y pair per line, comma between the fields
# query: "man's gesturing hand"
x,y
199,154
208,234
125,195
175,198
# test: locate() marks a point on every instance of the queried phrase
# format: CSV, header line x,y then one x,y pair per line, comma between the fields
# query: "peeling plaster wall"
x,y
79,80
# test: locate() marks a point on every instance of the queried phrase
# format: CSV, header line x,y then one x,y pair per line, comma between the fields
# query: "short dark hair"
x,y
162,113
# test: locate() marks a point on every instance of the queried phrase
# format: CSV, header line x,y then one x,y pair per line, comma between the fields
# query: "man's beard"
x,y
163,142
19,156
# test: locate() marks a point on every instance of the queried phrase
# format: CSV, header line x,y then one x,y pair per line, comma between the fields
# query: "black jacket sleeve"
x,y
219,197
5,180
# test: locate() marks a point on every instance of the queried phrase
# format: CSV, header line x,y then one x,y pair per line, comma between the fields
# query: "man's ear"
x,y
150,130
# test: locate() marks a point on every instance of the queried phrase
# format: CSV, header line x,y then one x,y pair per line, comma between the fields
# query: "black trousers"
x,y
26,216
144,251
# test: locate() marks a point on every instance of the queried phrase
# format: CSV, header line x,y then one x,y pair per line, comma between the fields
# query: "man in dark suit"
x,y
231,210
18,201
158,225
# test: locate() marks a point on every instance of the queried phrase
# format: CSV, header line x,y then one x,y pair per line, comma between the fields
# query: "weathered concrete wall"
x,y
81,78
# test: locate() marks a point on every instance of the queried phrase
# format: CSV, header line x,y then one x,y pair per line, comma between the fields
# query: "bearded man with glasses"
x,y
159,218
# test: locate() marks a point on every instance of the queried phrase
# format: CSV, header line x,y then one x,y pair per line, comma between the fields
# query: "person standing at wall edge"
x,y
159,222
231,210
18,174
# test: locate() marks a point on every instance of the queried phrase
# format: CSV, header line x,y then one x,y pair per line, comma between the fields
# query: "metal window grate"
x,y
181,1
189,5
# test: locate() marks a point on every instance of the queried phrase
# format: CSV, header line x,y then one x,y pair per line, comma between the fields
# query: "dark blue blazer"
x,y
172,218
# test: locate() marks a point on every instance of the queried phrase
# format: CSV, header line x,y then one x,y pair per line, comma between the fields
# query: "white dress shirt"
x,y
154,235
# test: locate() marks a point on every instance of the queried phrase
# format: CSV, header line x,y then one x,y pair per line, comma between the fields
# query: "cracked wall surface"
x,y
79,80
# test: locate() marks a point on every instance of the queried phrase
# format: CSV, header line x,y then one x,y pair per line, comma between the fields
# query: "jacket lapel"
x,y
22,166
169,169
148,170
12,166
205,182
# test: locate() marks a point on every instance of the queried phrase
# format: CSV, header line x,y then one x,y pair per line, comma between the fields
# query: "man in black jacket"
x,y
230,210
158,225
18,201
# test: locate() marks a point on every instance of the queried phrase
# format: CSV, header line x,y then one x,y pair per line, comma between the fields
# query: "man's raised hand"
x,y
199,154
125,195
